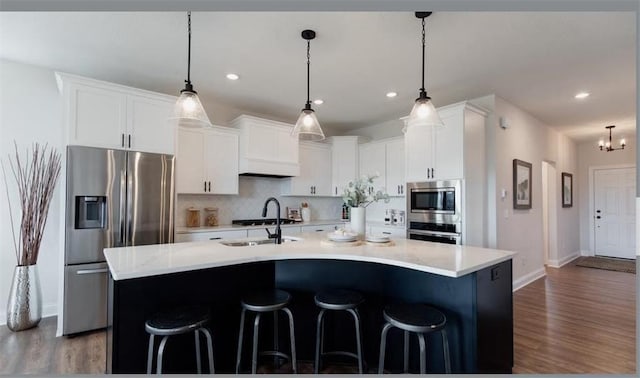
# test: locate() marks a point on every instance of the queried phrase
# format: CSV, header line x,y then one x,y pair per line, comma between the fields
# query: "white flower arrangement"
x,y
361,193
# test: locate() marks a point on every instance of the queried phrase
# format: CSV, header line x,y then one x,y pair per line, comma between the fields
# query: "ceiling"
x,y
535,60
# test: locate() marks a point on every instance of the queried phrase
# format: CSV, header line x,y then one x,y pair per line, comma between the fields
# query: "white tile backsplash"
x,y
376,211
253,192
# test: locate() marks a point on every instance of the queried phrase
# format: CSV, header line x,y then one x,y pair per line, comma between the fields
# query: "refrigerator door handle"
x,y
123,206
92,271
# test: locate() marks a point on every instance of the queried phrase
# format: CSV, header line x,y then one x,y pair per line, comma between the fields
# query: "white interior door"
x,y
615,218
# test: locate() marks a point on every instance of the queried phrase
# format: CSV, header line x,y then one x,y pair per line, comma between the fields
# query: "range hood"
x,y
267,148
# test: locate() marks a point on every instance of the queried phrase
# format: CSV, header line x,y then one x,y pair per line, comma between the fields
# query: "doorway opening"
x,y
614,216
549,213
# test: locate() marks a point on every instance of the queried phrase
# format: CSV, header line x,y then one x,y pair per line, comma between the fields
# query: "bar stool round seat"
x,y
338,300
261,302
419,319
178,321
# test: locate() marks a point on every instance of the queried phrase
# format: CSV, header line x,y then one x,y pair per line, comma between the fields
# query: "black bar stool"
x,y
419,319
176,322
338,300
261,302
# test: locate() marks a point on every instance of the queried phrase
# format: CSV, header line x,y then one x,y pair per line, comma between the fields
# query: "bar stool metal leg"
x,y
198,362
383,345
445,348
423,353
254,355
319,336
207,334
150,354
161,353
356,319
294,363
240,335
406,352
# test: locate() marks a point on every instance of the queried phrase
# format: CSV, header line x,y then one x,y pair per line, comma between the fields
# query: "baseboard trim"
x,y
528,278
564,261
47,311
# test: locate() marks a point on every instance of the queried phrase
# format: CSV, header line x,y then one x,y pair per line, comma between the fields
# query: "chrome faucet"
x,y
277,235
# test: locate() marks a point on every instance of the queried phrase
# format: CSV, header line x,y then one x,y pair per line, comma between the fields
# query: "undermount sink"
x,y
247,243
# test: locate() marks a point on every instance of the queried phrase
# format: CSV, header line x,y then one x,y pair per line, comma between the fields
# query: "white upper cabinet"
x,y
438,153
148,124
107,115
395,163
207,161
385,157
315,172
266,147
372,160
344,162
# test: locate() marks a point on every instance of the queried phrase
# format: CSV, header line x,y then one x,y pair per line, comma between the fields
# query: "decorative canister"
x,y
211,216
193,217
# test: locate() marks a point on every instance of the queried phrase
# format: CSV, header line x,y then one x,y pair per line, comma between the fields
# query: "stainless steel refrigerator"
x,y
114,198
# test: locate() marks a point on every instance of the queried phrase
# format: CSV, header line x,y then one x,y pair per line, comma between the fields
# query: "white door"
x,y
149,126
395,168
615,218
372,160
221,162
190,171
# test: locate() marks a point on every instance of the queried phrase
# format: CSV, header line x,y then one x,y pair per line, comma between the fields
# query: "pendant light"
x,y
307,127
423,112
188,110
607,146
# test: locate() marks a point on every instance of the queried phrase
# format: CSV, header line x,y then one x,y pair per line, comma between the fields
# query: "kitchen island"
x,y
471,285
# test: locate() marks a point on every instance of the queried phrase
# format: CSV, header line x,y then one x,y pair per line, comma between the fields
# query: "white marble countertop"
x,y
443,259
230,227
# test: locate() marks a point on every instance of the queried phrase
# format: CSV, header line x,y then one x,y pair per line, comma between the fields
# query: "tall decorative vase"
x,y
358,221
24,309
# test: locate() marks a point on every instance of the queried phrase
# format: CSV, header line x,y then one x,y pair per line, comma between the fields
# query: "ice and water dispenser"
x,y
91,212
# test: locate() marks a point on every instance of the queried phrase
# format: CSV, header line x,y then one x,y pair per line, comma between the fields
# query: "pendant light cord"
x,y
423,54
308,71
188,81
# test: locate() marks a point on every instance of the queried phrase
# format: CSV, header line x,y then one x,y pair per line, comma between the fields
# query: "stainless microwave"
x,y
435,201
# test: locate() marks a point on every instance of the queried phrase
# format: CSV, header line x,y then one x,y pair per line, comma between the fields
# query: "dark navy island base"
x,y
478,307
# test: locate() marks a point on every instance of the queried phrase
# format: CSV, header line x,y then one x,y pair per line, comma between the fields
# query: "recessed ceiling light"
x,y
318,101
391,94
232,76
582,95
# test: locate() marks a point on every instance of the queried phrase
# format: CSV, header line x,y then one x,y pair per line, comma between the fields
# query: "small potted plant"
x,y
358,195
36,179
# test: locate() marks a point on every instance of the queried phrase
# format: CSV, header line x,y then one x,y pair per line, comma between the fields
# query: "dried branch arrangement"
x,y
36,179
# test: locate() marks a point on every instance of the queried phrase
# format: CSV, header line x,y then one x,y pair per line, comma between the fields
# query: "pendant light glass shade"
x,y
188,110
424,114
307,127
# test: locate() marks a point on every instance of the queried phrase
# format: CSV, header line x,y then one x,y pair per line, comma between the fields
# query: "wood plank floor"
x,y
575,320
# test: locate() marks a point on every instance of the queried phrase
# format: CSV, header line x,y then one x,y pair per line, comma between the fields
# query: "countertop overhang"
x,y
437,258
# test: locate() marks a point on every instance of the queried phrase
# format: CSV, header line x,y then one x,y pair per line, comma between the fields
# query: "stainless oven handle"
x,y
434,233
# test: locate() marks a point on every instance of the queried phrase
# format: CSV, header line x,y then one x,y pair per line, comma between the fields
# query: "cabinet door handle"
x,y
129,140
92,271
215,238
402,189
205,186
386,232
336,190
209,186
122,143
432,174
428,174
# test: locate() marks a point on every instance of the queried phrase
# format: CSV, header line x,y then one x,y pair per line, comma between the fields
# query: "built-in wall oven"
x,y
434,211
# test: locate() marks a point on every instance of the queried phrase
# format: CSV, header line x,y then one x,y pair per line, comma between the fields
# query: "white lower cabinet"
x,y
212,235
393,232
322,228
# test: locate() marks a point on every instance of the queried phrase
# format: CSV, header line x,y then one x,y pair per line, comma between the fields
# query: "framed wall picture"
x,y
567,189
521,184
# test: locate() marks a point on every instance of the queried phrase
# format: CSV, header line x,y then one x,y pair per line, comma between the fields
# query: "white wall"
x,y
590,156
30,111
530,140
